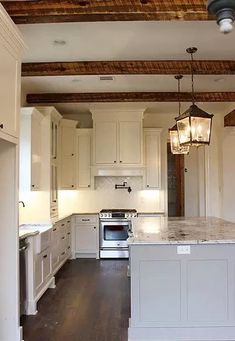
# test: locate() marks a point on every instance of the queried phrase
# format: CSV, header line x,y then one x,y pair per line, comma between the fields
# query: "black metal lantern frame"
x,y
194,125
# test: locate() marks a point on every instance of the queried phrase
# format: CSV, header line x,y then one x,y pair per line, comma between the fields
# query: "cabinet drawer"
x,y
86,219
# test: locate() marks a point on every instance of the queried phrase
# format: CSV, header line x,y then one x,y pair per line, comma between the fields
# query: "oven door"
x,y
114,234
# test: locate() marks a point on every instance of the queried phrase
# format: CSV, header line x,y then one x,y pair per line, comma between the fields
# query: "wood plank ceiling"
x,y
46,11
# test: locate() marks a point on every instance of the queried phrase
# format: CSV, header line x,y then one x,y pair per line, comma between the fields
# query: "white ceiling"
x,y
123,41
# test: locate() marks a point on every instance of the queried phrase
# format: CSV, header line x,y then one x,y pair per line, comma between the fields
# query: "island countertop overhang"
x,y
182,230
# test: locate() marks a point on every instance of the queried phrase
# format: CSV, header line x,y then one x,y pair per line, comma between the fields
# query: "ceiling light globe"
x,y
226,25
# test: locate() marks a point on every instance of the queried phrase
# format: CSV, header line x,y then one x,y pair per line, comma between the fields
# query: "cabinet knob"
x,y
33,186
45,256
114,161
94,227
72,154
72,186
120,161
1,126
147,185
89,186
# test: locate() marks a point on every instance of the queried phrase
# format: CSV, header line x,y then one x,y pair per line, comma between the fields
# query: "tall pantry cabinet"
x,y
11,48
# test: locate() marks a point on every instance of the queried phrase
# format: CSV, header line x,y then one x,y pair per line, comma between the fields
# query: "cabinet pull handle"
x,y
54,201
68,221
63,253
1,126
54,229
54,158
45,256
63,238
53,209
62,224
69,247
69,233
85,219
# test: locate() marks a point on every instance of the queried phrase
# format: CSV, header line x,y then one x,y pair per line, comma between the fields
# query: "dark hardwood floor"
x,y
91,302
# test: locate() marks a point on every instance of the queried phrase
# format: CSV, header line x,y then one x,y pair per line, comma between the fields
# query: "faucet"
x,y
21,202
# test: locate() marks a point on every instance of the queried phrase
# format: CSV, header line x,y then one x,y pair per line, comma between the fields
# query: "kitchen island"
x,y
182,279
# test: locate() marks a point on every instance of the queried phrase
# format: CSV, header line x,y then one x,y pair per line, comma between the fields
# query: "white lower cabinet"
x,y
44,262
86,235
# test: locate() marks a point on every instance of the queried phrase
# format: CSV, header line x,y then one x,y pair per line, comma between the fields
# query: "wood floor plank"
x,y
91,302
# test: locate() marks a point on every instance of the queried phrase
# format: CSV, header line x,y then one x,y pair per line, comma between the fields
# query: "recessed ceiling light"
x,y
59,42
219,80
106,78
76,80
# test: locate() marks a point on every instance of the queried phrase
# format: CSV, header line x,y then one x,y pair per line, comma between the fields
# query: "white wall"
x,y
228,208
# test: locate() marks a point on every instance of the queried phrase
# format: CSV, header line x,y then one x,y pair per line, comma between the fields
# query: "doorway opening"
x,y
175,175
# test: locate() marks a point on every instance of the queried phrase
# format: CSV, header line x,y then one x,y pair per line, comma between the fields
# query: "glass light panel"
x,y
175,146
200,127
183,127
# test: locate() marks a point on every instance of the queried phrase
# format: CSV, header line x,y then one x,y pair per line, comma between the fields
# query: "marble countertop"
x,y
198,230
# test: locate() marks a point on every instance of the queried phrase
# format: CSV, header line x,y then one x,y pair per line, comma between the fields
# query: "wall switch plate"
x,y
184,250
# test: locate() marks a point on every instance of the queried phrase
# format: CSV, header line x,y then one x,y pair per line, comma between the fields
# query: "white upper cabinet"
x,y
68,154
105,142
118,138
30,149
10,71
130,142
152,152
84,137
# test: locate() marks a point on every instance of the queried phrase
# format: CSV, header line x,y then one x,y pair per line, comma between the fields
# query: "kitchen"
x,y
93,158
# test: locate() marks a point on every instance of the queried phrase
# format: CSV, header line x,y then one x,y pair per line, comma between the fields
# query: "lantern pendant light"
x,y
194,125
173,132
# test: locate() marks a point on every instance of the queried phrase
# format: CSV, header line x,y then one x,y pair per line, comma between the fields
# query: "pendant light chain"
x,y
192,78
179,95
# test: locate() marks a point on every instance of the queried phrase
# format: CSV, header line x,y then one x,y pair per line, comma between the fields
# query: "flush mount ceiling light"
x,y
225,13
194,125
173,132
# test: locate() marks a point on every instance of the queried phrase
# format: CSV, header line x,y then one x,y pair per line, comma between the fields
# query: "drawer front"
x,y
86,219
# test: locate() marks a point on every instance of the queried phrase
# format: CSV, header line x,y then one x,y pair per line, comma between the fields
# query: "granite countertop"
x,y
30,230
198,230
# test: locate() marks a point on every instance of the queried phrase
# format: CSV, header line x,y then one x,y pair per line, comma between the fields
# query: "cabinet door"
x,y
86,239
38,273
55,251
152,160
67,141
130,142
68,173
35,153
54,140
84,161
105,143
9,94
46,260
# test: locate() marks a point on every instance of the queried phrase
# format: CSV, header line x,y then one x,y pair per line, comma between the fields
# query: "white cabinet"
x,y
9,91
30,149
84,138
105,142
130,142
43,270
152,152
118,139
60,243
68,154
86,232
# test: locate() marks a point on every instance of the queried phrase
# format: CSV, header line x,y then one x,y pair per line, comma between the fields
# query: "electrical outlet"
x,y
184,250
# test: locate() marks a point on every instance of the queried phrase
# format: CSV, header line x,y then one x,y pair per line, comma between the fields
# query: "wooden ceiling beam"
x,y
132,67
47,11
129,97
229,119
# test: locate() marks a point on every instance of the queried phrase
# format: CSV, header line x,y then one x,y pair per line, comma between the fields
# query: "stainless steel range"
x,y
115,226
